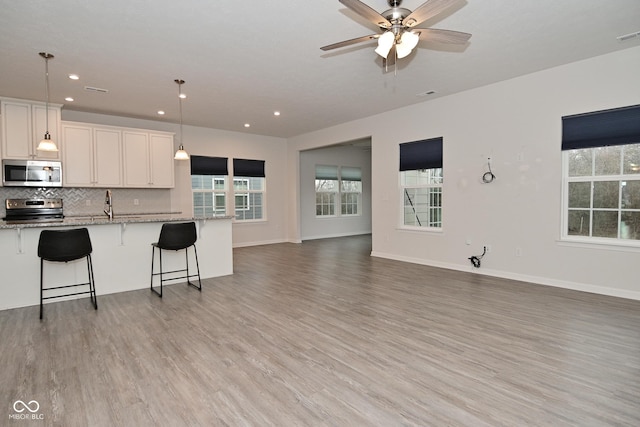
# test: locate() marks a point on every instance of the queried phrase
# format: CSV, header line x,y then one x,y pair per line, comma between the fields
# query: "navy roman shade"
x,y
253,168
617,126
327,172
350,174
202,165
425,154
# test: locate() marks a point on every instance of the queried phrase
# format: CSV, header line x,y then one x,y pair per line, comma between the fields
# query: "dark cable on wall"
x,y
488,176
475,260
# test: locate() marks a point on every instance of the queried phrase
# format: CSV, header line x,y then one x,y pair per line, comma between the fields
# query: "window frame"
x,y
421,155
213,191
247,193
590,240
427,186
334,197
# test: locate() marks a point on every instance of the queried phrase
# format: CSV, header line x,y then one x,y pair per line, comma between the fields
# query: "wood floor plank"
x,y
323,334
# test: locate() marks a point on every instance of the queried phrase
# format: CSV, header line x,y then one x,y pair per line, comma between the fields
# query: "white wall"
x,y
218,143
313,227
518,124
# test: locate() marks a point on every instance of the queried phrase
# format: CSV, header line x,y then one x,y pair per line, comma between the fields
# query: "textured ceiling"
x,y
243,60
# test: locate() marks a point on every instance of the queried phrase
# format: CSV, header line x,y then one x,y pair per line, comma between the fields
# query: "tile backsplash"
x,y
90,201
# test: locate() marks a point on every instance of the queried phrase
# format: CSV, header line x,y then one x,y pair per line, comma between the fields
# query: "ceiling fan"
x,y
400,34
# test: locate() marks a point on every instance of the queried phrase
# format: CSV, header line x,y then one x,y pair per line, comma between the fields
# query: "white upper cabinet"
x,y
24,124
92,155
148,159
161,155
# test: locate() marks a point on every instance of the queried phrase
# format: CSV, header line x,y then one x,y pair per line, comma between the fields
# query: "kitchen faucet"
x,y
108,205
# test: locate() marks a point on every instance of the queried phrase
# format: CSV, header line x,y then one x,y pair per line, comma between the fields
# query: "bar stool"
x,y
65,246
175,237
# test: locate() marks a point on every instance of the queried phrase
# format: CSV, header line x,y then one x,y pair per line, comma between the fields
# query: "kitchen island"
x,y
121,254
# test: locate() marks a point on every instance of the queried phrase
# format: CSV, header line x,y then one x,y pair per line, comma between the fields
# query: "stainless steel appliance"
x,y
31,173
33,210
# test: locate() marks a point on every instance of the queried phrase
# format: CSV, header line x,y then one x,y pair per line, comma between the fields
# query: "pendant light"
x,y
47,144
181,154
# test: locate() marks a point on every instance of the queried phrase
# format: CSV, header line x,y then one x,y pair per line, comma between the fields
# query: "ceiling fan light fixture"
x,y
408,41
385,43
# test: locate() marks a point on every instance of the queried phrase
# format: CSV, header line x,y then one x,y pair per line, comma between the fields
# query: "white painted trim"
x,y
582,287
329,236
259,243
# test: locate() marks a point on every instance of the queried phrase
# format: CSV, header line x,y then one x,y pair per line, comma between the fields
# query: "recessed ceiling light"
x,y
276,113
74,77
160,112
247,125
68,99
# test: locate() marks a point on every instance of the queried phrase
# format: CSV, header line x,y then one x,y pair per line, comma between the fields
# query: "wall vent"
x,y
95,89
629,36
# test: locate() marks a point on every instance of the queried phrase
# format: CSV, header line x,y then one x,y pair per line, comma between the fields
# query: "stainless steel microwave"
x,y
31,173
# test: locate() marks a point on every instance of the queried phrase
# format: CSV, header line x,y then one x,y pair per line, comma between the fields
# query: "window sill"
x,y
631,246
430,230
249,221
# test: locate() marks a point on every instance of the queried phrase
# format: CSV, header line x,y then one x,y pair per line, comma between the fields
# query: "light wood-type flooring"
x,y
323,334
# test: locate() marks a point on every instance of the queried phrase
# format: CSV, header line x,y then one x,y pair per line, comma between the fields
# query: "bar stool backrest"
x,y
176,236
64,245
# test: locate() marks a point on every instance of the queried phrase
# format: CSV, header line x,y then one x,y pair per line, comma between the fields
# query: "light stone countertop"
x,y
103,220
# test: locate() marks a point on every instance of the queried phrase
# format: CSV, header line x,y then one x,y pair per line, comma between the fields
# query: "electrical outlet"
x,y
87,202
468,242
518,251
136,202
488,248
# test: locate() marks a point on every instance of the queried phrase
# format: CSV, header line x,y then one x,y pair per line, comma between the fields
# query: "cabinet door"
x,y
39,117
78,156
107,157
161,155
136,159
16,130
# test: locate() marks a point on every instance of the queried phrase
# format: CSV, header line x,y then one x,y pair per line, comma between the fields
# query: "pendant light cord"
x,y
180,102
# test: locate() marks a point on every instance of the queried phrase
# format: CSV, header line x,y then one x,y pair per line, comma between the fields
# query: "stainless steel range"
x,y
33,210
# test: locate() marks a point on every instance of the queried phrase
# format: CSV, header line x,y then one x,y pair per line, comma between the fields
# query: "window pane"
x,y
632,159
606,194
351,186
608,160
631,195
580,162
630,226
415,178
579,194
578,223
326,185
605,224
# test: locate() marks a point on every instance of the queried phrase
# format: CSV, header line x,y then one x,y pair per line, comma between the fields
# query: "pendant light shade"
x,y
46,144
181,154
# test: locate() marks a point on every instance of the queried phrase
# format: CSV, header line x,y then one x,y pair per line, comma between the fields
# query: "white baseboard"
x,y
582,287
260,243
331,236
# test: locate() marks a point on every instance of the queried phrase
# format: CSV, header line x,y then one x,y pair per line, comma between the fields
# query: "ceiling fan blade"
x,y
366,12
350,42
442,36
427,10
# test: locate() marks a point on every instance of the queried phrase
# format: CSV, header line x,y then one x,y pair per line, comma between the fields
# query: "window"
x,y
209,185
350,190
601,169
333,184
421,179
249,189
